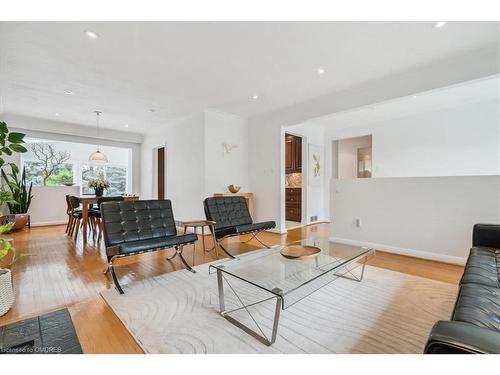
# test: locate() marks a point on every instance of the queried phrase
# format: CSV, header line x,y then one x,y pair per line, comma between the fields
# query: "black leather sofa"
x,y
136,227
232,218
475,322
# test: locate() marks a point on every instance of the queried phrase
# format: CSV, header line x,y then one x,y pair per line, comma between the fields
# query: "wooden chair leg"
x,y
72,227
77,227
67,225
99,224
92,225
70,223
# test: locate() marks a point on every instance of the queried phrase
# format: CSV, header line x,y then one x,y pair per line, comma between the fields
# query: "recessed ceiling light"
x,y
126,125
69,92
255,97
321,71
91,34
57,114
439,24
414,96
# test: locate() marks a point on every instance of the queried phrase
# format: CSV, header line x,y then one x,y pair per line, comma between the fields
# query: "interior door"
x,y
289,162
161,173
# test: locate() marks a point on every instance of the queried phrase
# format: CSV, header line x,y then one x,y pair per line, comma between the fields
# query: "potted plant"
x,y
99,185
21,197
10,142
6,251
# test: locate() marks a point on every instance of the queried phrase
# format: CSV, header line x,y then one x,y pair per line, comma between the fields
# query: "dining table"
x,y
87,201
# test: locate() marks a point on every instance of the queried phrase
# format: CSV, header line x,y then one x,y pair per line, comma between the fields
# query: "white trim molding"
x,y
48,223
403,251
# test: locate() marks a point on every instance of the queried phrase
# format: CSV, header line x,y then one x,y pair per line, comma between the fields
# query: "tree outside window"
x,y
51,167
53,163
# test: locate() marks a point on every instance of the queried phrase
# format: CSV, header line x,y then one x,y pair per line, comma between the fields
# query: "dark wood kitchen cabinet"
x,y
293,154
293,204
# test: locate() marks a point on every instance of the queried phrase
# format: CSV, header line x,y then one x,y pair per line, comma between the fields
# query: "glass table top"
x,y
268,269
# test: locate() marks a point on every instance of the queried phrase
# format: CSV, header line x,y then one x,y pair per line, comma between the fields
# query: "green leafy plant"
x,y
10,142
20,192
19,197
6,247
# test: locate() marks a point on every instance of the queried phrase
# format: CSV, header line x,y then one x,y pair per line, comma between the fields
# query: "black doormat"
x,y
52,333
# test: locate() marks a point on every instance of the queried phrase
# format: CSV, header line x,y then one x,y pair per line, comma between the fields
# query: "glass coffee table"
x,y
263,275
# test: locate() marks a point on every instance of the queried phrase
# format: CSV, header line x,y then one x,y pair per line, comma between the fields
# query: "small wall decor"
x,y
227,148
315,165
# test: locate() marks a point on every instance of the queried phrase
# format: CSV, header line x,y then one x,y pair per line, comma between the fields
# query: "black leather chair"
x,y
232,218
95,213
136,227
475,322
75,215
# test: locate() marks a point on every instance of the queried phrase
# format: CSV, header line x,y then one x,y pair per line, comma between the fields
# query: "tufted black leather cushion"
x,y
227,211
127,223
231,216
242,229
483,267
157,243
479,305
486,235
451,337
475,324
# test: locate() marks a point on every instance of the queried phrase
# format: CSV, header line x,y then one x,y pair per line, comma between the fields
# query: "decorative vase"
x,y
6,291
99,192
233,188
20,221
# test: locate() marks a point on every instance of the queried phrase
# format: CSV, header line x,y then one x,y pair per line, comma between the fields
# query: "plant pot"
x,y
99,192
20,221
6,291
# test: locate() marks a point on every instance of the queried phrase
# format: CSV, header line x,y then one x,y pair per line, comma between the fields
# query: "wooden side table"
x,y
195,224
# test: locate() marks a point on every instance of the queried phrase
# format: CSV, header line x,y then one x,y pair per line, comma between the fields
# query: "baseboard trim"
x,y
276,230
403,251
49,223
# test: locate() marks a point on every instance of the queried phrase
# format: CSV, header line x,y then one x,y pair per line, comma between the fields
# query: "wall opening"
x,y
354,157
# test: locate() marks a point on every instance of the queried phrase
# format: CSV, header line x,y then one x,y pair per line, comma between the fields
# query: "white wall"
x,y
194,162
435,174
266,140
223,170
48,206
429,217
184,152
348,155
459,141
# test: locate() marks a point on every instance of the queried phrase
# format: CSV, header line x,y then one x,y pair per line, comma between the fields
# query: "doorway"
x,y
293,180
161,173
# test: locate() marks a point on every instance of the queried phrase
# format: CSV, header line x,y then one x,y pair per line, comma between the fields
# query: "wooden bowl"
x,y
299,251
233,188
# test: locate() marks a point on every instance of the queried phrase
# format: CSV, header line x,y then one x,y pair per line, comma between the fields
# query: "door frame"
x,y
154,155
303,206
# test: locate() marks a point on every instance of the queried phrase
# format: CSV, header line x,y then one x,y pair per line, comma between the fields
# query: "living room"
x,y
148,188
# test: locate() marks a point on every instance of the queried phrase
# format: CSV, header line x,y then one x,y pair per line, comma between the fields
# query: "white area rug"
x,y
388,312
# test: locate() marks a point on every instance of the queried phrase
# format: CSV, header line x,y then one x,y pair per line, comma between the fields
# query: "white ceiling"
x,y
485,89
178,68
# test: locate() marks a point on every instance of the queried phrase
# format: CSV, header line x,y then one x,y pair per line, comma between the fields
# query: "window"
x,y
115,175
62,174
53,163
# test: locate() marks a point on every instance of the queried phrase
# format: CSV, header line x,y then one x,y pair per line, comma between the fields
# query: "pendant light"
x,y
98,155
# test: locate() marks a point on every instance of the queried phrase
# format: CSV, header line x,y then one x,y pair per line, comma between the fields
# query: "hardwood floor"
x,y
55,272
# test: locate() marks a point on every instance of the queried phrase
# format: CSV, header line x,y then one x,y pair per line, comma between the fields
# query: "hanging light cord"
x,y
98,113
